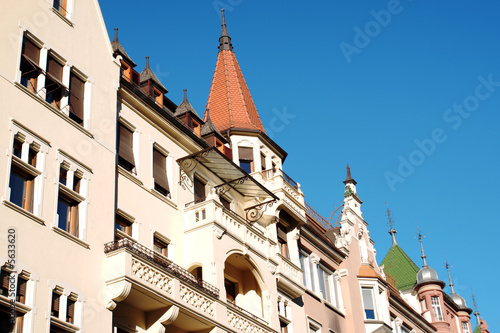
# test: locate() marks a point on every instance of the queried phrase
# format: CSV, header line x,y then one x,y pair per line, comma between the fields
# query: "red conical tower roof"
x,y
229,100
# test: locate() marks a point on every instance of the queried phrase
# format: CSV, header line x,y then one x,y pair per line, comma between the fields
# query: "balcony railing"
x,y
290,180
248,313
164,263
317,216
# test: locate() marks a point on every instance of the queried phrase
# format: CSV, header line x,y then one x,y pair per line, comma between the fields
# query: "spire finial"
x,y
421,246
207,112
349,179
392,231
147,61
476,313
116,35
224,40
185,94
447,266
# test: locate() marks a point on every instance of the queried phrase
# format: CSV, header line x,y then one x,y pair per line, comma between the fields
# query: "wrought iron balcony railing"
x,y
290,180
164,263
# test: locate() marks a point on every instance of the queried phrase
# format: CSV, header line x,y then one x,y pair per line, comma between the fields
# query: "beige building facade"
x,y
123,211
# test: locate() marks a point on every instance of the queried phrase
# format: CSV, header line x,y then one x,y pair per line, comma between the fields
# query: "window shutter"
x,y
5,280
77,89
245,153
21,286
55,302
31,51
71,311
281,232
160,169
199,190
126,145
55,70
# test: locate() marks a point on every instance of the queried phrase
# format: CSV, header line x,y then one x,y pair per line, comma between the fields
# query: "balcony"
x,y
289,277
210,212
286,189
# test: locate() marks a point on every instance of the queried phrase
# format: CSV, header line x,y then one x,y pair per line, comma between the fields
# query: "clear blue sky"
x,y
409,100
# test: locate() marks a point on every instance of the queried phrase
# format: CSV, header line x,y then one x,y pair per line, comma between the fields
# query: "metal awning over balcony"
x,y
232,175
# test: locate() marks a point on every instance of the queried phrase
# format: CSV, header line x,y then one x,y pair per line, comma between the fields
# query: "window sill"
x,y
334,308
53,109
163,198
71,237
24,212
63,324
128,175
64,18
313,294
20,308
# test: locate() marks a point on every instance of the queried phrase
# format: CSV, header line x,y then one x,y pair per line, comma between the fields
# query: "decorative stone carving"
x,y
197,300
272,267
242,324
218,231
152,275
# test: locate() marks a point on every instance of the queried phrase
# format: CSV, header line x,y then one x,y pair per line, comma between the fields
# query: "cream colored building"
x,y
123,211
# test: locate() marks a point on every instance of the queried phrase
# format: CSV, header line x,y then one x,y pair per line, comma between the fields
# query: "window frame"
x,y
129,161
245,159
163,189
373,300
437,310
126,219
21,165
75,196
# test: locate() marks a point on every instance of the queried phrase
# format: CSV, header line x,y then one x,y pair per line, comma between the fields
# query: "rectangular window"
x,y
326,284
226,203
70,311
126,149
23,174
76,95
368,303
4,280
283,327
21,290
465,327
282,241
246,158
262,162
69,200
405,329
230,287
56,298
123,224
308,269
61,6
160,172
30,69
199,190
160,246
436,308
54,88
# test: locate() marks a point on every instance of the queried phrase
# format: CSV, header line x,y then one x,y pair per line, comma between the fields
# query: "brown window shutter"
x,y
71,311
5,280
199,190
55,70
21,286
76,88
160,169
245,153
55,301
126,145
281,232
31,51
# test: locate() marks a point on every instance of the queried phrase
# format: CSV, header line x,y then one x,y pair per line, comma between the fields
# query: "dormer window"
x,y
193,125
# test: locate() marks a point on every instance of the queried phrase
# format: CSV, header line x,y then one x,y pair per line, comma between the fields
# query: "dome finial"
x,y
392,231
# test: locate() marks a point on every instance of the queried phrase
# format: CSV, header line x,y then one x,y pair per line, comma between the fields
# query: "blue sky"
x,y
406,92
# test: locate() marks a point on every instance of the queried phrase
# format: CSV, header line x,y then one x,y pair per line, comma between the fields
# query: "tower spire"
x,y
348,179
224,40
422,247
116,35
447,266
392,231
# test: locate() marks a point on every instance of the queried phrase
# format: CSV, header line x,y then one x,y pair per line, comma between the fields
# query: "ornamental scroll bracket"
x,y
254,213
186,166
223,188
